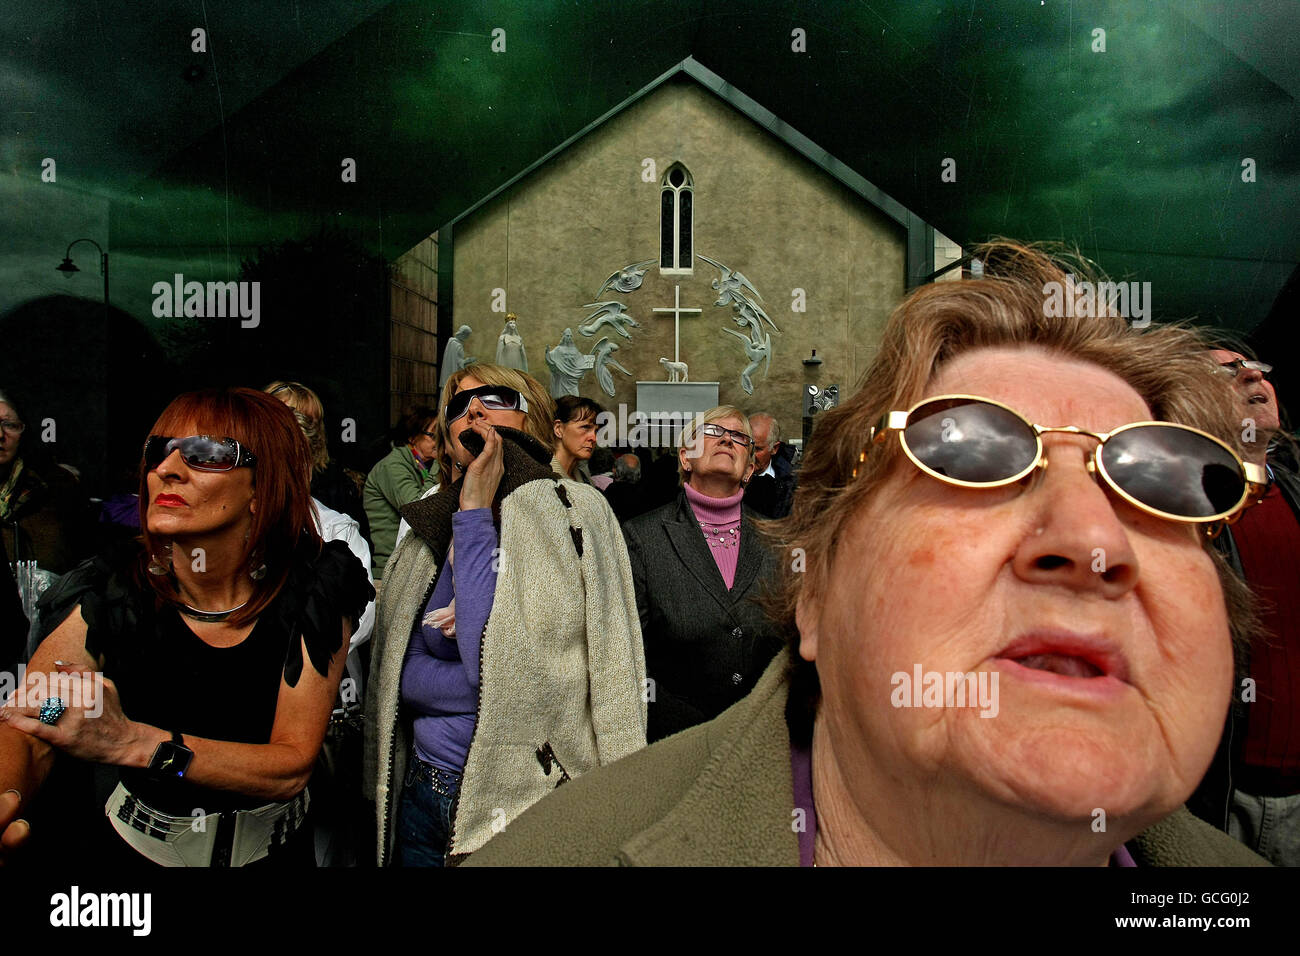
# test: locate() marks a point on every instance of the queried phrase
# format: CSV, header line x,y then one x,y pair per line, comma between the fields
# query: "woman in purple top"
x,y
440,674
507,658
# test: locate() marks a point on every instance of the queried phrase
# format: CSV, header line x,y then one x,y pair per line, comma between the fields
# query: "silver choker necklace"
x,y
206,617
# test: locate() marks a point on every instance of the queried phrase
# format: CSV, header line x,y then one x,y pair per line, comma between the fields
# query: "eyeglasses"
x,y
1168,470
198,451
717,431
1234,367
493,397
12,427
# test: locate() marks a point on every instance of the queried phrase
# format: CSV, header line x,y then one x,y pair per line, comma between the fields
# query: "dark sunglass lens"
x,y
1174,470
499,400
202,452
154,451
456,407
970,441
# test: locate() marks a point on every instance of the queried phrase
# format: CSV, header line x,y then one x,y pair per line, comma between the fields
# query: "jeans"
x,y
1268,825
423,818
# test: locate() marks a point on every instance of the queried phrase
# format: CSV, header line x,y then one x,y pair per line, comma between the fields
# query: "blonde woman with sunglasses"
x,y
1010,641
507,659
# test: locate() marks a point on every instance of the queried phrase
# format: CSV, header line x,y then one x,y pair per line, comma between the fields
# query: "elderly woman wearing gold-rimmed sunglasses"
x,y
1011,641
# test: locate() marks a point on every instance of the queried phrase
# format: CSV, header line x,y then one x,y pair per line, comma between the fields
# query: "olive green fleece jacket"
x,y
722,794
396,480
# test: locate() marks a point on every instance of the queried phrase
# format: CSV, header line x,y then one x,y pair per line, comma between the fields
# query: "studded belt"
x,y
445,782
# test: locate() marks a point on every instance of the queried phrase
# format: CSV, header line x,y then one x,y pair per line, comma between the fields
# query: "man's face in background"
x,y
762,454
1258,401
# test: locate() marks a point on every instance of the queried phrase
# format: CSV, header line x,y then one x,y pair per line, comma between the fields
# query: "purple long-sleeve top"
x,y
440,674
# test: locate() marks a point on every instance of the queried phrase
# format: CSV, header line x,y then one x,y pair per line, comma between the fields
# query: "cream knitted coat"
x,y
562,672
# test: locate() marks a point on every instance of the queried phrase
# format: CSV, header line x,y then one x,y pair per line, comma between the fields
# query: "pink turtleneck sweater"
x,y
719,514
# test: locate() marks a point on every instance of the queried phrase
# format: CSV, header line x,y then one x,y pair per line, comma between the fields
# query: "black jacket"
x,y
705,646
13,623
1212,800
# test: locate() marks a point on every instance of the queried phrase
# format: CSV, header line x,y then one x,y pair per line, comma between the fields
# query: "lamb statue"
x,y
676,370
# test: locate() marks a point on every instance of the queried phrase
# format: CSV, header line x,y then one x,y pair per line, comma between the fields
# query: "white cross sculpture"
x,y
677,311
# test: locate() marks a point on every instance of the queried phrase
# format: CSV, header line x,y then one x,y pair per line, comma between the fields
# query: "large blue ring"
x,y
52,709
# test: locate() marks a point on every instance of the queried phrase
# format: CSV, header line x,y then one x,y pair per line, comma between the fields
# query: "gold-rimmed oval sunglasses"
x,y
1172,471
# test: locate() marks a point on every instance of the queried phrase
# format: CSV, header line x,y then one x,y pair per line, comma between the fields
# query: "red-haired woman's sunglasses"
x,y
198,451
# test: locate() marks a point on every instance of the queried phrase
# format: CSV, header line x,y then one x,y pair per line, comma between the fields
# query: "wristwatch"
x,y
172,758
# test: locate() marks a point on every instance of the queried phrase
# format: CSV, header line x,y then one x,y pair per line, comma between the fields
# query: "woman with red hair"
x,y
200,662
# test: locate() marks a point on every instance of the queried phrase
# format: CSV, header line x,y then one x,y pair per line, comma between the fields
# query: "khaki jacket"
x,y
722,794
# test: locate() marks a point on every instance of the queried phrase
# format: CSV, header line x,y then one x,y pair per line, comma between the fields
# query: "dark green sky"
x,y
185,161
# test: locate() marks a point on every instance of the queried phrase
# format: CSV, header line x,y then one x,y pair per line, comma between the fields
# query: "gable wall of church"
x,y
760,208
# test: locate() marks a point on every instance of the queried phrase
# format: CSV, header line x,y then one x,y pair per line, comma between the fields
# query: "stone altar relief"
x,y
676,259
453,356
735,291
510,346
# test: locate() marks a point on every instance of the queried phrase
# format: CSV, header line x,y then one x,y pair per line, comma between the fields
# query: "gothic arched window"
x,y
676,226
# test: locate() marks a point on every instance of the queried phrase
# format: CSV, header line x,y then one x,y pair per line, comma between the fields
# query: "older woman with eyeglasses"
x,y
699,565
1011,641
506,659
200,663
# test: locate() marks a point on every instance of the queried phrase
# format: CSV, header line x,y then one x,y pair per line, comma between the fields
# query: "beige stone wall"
x,y
760,208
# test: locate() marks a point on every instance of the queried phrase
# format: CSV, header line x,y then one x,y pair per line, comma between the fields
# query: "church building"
x,y
688,236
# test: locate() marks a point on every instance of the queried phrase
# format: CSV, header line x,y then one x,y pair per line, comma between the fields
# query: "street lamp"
x,y
68,267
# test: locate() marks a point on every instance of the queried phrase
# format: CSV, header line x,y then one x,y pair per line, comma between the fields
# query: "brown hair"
x,y
266,426
575,408
1165,364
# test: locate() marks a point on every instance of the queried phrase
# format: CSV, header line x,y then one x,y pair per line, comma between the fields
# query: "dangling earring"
x,y
161,567
257,569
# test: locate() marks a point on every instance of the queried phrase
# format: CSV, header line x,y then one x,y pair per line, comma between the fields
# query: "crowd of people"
x,y
917,641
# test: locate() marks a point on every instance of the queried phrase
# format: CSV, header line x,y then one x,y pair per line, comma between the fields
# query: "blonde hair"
x,y
539,420
715,414
1164,364
310,415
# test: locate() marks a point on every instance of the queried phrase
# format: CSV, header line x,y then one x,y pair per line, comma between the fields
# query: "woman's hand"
x,y
13,831
483,475
92,727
